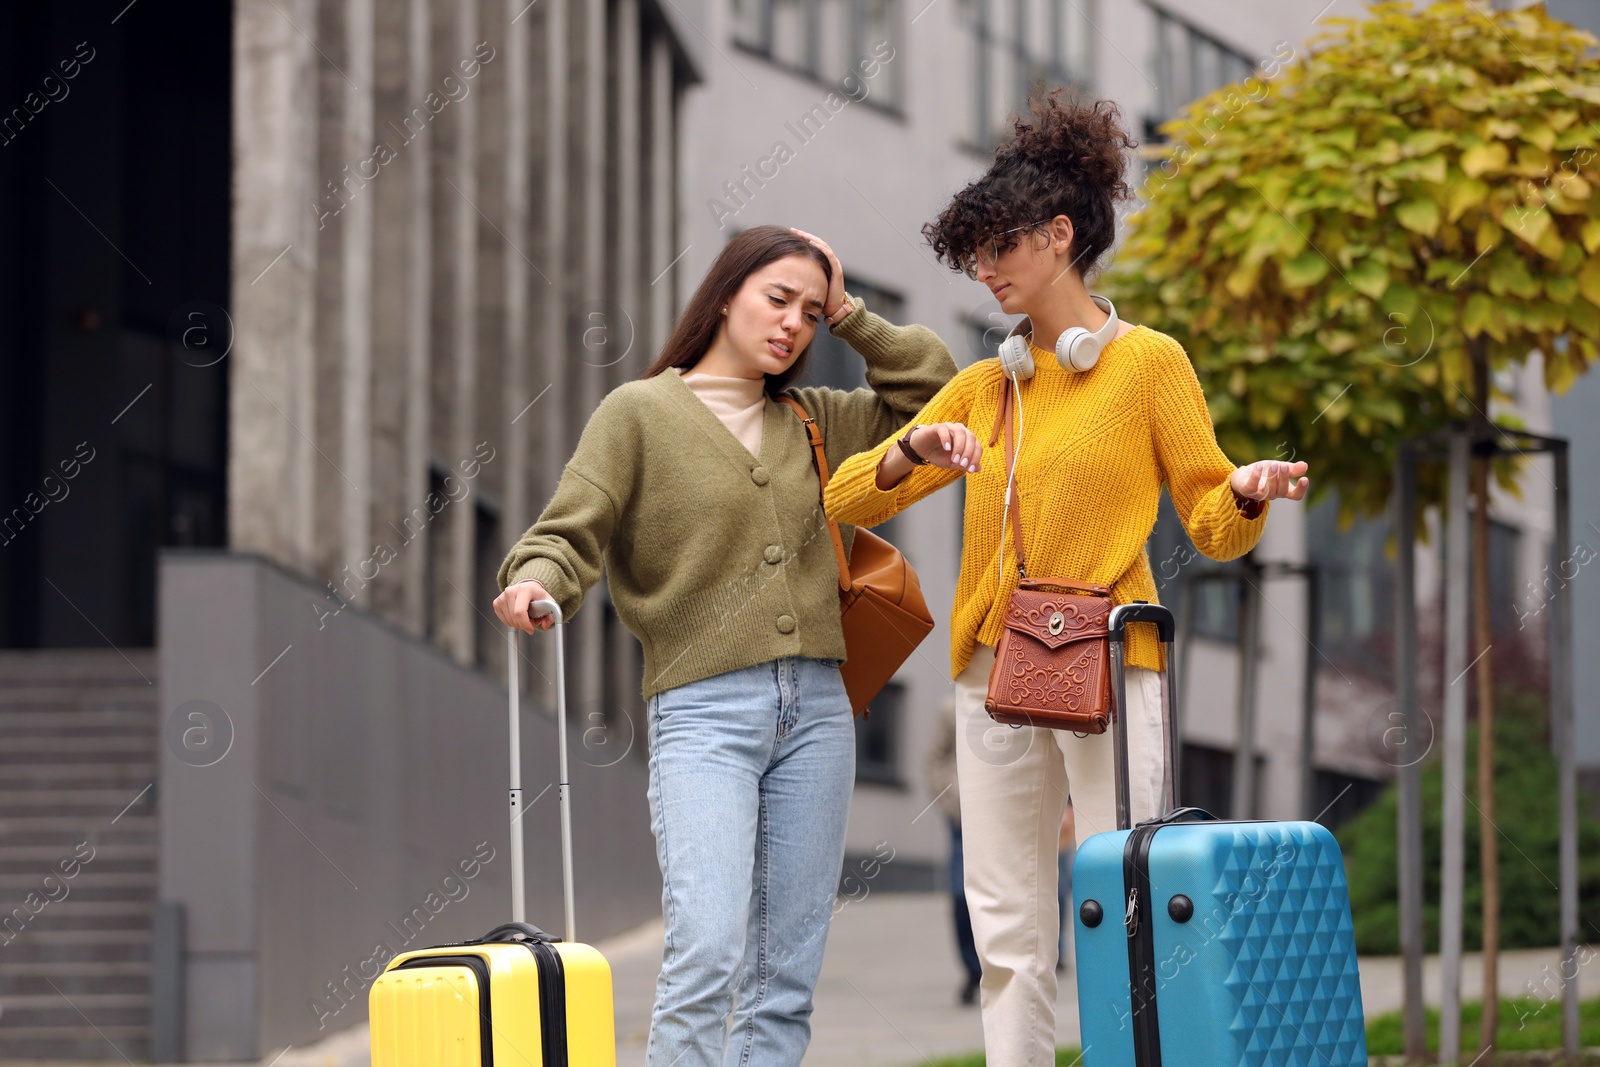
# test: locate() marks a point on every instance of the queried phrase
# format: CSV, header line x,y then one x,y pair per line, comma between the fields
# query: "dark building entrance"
x,y
115,149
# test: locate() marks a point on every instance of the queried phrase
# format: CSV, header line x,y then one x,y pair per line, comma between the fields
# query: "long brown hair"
x,y
747,253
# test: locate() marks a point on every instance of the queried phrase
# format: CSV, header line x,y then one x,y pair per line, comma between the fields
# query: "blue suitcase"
x,y
1235,944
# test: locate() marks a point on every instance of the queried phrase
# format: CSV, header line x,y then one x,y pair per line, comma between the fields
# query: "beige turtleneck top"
x,y
739,403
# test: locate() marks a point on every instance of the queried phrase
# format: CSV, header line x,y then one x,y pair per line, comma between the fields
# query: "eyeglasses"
x,y
992,248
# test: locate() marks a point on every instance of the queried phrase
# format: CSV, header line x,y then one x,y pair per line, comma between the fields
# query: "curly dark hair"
x,y
1069,160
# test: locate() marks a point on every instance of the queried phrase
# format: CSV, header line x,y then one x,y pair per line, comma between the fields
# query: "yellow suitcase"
x,y
515,997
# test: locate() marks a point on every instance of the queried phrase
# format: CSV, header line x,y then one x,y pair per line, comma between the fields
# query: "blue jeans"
x,y
750,780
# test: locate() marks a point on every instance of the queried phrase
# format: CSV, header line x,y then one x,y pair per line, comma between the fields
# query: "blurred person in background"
x,y
941,774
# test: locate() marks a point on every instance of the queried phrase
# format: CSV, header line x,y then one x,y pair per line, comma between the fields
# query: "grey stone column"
x,y
396,154
417,222
590,646
464,342
629,245
520,277
270,455
663,198
342,193
356,236
549,434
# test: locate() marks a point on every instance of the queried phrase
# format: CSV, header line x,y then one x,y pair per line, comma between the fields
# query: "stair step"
x,y
18,717
143,744
89,664
15,1002
97,908
134,820
81,891
82,1031
70,969
78,701
51,853
86,876
87,879
46,775
115,799
89,953
32,936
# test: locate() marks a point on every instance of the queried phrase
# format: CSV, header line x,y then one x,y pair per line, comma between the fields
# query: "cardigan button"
x,y
759,476
773,554
786,624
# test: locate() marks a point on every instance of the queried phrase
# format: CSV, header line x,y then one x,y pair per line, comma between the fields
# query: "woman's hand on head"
x,y
1271,479
511,606
835,297
950,445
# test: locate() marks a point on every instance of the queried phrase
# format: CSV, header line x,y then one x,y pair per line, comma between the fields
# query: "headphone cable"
x,y
1011,478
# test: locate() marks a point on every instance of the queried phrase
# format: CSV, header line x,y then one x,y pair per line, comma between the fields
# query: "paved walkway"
x,y
887,997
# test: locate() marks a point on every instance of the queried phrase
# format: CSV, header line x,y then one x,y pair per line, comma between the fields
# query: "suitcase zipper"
x,y
1141,949
480,970
552,1003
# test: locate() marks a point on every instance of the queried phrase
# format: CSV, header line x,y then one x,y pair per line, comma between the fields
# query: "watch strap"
x,y
904,441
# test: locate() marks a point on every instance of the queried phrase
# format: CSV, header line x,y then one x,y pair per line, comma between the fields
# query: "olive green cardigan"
x,y
716,559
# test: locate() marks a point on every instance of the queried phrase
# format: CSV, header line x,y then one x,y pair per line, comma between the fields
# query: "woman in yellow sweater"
x,y
1107,414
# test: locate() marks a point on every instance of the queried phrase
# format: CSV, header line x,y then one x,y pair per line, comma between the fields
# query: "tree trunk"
x,y
1489,850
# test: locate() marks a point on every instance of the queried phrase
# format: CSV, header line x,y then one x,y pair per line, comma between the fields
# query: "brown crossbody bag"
x,y
1052,665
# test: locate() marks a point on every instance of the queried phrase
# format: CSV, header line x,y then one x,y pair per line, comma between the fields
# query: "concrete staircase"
x,y
78,736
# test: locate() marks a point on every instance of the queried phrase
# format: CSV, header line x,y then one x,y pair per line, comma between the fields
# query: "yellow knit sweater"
x,y
1096,448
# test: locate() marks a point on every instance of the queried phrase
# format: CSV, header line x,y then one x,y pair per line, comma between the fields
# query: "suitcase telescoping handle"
x,y
1166,625
519,891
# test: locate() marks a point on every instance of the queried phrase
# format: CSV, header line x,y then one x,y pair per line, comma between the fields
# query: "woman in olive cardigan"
x,y
695,490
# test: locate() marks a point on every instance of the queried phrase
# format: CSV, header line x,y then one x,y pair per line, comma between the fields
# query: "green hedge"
x,y
1526,813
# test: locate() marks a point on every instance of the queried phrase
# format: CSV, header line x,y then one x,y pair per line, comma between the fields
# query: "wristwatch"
x,y
904,441
841,312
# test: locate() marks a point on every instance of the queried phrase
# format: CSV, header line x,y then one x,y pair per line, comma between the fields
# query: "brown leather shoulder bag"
x,y
880,598
1052,662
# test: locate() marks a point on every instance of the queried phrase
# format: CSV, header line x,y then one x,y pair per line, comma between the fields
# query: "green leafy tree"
x,y
1349,246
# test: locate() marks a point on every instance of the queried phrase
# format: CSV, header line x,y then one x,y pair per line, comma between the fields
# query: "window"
x,y
1205,779
844,44
1016,46
1189,63
487,554
1175,562
878,738
436,551
833,362
1356,576
1337,798
983,336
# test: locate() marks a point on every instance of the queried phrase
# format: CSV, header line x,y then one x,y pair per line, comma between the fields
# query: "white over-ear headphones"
x,y
1077,349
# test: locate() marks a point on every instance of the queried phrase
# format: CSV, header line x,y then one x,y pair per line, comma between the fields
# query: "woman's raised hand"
x,y
1271,479
949,445
835,297
511,606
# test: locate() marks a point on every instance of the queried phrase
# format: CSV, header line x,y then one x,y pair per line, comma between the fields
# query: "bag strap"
x,y
1002,419
814,435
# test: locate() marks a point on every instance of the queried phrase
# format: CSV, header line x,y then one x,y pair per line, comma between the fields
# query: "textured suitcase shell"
x,y
437,1016
1263,973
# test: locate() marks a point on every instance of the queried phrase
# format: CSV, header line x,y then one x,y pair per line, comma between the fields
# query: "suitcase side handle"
x,y
1167,627
539,609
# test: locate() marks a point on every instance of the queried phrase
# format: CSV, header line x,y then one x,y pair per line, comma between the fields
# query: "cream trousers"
x,y
1014,786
